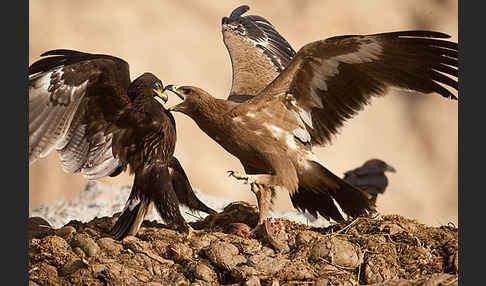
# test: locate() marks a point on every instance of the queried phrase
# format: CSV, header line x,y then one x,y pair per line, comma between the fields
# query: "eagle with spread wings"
x,y
283,103
85,107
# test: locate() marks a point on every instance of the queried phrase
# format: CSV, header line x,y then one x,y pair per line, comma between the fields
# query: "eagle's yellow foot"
x,y
255,188
192,232
240,176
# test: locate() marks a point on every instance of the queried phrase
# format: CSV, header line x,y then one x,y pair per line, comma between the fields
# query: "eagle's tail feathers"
x,y
183,189
322,192
131,218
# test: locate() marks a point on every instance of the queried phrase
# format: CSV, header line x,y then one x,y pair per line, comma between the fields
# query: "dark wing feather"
x,y
328,81
182,187
258,53
145,133
60,115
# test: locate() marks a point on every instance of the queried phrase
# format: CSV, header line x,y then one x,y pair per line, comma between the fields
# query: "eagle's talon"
x,y
240,176
192,232
255,188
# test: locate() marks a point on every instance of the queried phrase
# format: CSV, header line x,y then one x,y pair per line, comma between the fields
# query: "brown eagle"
x,y
85,107
370,177
283,103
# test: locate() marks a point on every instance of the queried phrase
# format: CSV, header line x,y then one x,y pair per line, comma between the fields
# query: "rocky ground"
x,y
386,250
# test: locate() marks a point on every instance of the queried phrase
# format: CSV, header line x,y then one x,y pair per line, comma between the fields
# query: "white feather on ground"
x,y
99,200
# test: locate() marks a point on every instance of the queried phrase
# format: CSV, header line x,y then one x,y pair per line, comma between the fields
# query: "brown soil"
x,y
390,250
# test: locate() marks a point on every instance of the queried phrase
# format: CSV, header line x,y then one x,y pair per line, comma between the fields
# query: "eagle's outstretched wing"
x,y
63,115
328,81
258,53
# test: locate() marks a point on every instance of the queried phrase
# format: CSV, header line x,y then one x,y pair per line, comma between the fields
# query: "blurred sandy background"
x,y
181,42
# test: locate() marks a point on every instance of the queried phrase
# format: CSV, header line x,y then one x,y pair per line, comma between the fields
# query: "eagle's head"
x,y
379,164
193,98
148,85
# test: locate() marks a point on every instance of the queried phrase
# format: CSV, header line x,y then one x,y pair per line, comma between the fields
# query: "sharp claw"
x,y
254,187
230,173
192,232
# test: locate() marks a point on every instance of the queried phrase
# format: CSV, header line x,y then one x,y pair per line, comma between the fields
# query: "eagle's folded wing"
x,y
328,81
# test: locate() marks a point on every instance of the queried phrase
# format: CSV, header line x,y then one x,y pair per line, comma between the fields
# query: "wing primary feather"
x,y
239,11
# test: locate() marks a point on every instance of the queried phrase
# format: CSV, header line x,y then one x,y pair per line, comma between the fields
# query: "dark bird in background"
x,y
370,177
85,107
283,103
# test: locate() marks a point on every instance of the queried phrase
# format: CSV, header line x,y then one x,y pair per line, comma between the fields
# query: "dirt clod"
x,y
224,255
65,231
337,252
86,243
110,246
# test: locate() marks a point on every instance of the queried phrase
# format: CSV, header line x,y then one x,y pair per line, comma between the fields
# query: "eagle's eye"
x,y
158,85
185,91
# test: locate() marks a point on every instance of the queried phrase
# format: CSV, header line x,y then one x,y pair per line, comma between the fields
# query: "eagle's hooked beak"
x,y
161,93
390,169
174,88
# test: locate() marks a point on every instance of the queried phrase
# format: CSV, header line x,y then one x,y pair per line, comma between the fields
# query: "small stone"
x,y
305,237
322,282
91,232
65,231
79,252
138,246
252,281
180,252
223,254
71,267
202,242
98,269
275,283
337,251
242,273
249,246
86,243
110,246
378,269
133,243
390,227
204,272
266,265
297,270
268,251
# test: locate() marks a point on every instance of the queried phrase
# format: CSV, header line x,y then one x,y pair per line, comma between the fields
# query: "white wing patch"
x,y
303,114
275,131
323,69
290,140
368,51
251,114
302,135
